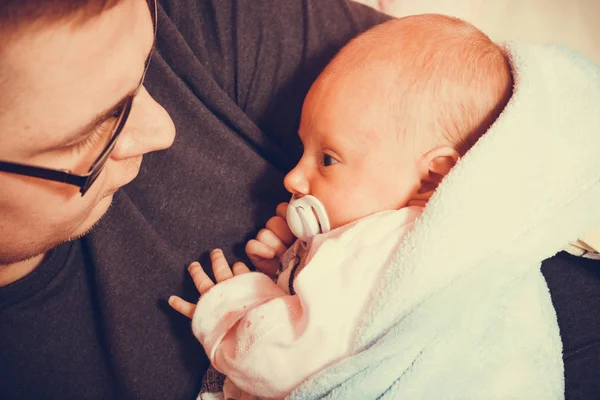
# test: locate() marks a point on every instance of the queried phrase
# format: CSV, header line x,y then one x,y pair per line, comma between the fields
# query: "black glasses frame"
x,y
84,182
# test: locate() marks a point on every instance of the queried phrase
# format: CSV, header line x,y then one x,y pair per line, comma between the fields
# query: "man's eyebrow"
x,y
74,136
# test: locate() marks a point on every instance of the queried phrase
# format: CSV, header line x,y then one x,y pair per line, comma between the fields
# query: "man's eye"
x,y
99,135
90,141
118,111
328,160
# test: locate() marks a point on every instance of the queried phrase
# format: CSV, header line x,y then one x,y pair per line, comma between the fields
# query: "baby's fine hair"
x,y
449,82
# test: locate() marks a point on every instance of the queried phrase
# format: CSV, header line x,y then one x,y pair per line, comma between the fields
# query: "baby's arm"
x,y
252,331
203,283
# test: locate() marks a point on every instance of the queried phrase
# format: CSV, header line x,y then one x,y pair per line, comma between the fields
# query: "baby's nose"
x,y
295,182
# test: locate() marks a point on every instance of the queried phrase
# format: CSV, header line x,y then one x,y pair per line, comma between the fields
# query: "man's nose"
x,y
148,128
296,181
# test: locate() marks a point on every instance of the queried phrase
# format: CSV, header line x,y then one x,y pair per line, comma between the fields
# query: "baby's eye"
x,y
328,160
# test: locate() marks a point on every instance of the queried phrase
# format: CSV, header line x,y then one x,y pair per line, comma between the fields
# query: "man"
x,y
89,318
84,315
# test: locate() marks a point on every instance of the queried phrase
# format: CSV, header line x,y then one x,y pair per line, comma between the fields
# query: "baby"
x,y
382,125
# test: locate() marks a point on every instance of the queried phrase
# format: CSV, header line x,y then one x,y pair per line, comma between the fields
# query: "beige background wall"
x,y
575,23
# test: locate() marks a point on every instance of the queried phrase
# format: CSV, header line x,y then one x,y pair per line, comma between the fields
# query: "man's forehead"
x,y
30,15
76,44
65,74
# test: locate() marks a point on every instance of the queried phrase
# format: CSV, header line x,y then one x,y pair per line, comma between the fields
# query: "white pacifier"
x,y
307,217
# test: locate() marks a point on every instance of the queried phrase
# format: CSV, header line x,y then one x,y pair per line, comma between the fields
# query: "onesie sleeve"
x,y
254,334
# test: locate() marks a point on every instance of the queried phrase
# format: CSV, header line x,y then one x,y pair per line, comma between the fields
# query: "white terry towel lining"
x,y
463,311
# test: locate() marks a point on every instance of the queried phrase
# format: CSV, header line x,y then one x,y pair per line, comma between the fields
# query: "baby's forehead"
x,y
355,133
361,101
366,85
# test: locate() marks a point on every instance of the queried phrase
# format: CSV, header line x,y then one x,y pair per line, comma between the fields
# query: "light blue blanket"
x,y
463,311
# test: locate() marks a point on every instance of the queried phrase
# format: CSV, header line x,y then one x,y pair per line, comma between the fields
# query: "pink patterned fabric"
x,y
268,342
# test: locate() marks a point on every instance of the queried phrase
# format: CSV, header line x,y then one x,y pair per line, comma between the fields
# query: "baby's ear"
x,y
436,164
433,166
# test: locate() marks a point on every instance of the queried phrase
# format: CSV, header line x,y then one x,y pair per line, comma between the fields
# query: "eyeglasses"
x,y
84,182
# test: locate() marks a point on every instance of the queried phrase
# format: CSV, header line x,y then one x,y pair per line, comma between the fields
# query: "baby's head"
x,y
392,113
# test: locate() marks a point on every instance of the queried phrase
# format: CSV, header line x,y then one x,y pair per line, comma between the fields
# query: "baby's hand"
x,y
271,242
203,283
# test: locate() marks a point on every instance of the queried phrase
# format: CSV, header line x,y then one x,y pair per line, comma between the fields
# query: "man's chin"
x,y
100,209
94,217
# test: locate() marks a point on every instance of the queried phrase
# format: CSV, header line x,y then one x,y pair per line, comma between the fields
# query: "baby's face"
x,y
353,160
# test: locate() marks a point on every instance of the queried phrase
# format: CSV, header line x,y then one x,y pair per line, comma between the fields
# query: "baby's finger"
x,y
263,257
201,280
267,237
281,210
182,306
220,266
239,268
280,228
256,249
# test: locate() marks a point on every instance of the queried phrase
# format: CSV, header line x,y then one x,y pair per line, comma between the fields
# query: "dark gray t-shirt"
x,y
92,322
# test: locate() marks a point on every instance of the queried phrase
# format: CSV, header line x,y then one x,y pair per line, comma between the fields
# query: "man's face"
x,y
54,82
353,160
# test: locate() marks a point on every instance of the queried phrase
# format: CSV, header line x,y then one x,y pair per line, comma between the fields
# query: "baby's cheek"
x,y
344,204
340,214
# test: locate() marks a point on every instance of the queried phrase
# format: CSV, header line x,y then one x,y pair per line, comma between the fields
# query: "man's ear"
x,y
435,165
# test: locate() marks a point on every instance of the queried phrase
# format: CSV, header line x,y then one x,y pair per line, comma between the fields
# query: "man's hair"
x,y
15,14
449,81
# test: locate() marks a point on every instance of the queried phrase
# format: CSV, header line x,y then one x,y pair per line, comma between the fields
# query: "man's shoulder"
x,y
574,284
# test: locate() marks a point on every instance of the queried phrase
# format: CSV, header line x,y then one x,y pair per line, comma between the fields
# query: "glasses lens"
x,y
91,178
119,123
98,165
